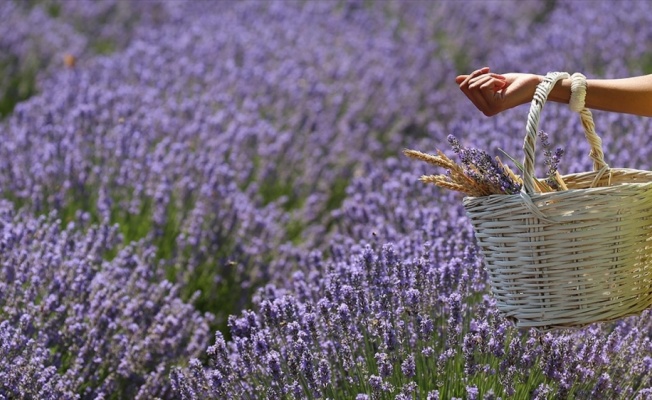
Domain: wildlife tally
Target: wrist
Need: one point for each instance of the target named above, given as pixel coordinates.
(532, 82)
(561, 92)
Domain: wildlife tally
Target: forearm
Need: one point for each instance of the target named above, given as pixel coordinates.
(627, 95)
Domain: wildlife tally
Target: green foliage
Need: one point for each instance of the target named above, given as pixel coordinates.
(103, 46)
(274, 189)
(646, 64)
(338, 193)
(16, 84)
(53, 9)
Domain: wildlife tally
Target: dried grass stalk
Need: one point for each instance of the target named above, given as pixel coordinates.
(457, 179)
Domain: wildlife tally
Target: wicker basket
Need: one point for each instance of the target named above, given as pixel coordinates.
(573, 257)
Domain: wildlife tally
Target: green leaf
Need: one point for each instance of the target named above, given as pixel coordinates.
(518, 164)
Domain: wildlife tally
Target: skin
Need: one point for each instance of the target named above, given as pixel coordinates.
(493, 93)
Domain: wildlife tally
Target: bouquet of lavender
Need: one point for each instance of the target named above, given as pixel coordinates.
(478, 174)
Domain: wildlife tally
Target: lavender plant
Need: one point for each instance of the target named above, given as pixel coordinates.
(483, 168)
(75, 325)
(376, 325)
(552, 161)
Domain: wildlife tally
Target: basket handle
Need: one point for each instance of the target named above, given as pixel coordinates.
(540, 96)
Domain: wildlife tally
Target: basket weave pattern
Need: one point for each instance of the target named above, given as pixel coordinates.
(572, 257)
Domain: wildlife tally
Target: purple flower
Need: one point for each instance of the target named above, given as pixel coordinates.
(489, 395)
(472, 393)
(376, 383)
(602, 387)
(324, 372)
(408, 367)
(433, 395)
(344, 314)
(274, 365)
(384, 364)
(552, 160)
(481, 167)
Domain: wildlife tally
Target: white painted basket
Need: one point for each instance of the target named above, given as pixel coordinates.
(573, 257)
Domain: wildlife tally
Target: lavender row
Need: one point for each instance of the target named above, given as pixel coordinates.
(218, 146)
(409, 321)
(75, 325)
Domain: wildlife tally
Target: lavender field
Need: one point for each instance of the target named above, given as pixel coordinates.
(209, 199)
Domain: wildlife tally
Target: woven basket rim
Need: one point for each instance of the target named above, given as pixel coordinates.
(615, 172)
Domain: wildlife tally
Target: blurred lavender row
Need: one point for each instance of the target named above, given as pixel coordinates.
(235, 168)
(39, 38)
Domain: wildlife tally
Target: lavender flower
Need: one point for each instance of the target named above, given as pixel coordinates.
(408, 367)
(433, 395)
(472, 392)
(481, 167)
(552, 160)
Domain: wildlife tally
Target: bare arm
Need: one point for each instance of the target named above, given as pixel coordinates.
(493, 93)
(627, 95)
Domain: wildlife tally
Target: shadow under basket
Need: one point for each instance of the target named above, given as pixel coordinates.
(569, 258)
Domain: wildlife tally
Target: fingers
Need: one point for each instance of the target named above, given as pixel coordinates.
(466, 78)
(461, 78)
(482, 75)
(483, 88)
(475, 95)
(487, 82)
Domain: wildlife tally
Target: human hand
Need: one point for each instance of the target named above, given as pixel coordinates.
(493, 93)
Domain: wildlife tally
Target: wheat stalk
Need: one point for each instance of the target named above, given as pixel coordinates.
(458, 180)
